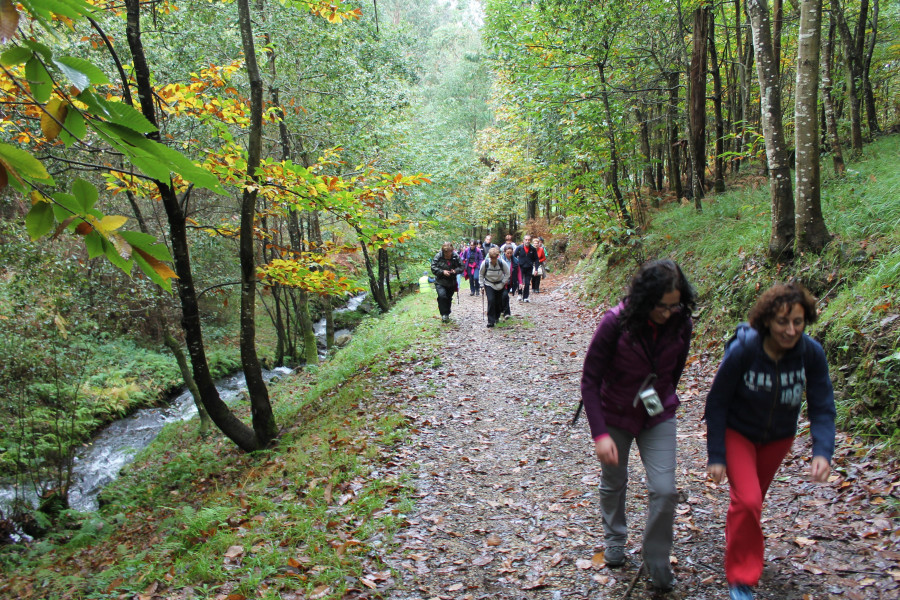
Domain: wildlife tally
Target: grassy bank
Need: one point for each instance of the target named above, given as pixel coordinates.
(856, 278)
(194, 512)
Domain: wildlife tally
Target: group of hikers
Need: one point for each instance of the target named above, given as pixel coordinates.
(628, 386)
(628, 389)
(500, 272)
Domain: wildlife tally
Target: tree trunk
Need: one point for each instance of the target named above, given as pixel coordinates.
(697, 112)
(613, 177)
(221, 415)
(310, 346)
(384, 273)
(719, 168)
(672, 131)
(782, 238)
(645, 149)
(868, 95)
(531, 206)
(260, 407)
(328, 309)
(778, 21)
(175, 348)
(811, 233)
(746, 67)
(377, 293)
(853, 58)
(837, 156)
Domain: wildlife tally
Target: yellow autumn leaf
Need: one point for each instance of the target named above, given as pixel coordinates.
(53, 117)
(161, 268)
(112, 222)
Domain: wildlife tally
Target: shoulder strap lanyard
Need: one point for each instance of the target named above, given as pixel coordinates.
(651, 356)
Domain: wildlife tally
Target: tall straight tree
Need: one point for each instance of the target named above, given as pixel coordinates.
(697, 111)
(811, 232)
(781, 240)
(719, 167)
(260, 406)
(837, 155)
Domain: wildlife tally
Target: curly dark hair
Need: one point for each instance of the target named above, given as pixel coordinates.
(774, 299)
(652, 281)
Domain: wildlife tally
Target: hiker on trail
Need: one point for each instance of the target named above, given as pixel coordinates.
(472, 258)
(631, 369)
(538, 272)
(486, 245)
(494, 276)
(445, 266)
(509, 243)
(513, 284)
(751, 418)
(527, 256)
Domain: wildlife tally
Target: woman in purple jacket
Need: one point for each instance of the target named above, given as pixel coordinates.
(631, 369)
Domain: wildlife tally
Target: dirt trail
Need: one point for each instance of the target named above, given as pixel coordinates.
(508, 502)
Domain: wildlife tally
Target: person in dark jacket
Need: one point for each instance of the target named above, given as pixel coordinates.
(631, 370)
(486, 245)
(512, 285)
(528, 257)
(445, 266)
(472, 259)
(751, 418)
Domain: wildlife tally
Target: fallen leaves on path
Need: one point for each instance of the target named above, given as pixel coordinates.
(507, 492)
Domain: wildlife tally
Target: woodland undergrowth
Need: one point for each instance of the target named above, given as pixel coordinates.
(305, 516)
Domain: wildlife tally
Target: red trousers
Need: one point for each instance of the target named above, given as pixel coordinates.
(750, 469)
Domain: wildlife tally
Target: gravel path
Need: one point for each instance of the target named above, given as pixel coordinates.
(508, 502)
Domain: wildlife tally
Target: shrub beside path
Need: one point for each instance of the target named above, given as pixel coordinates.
(507, 501)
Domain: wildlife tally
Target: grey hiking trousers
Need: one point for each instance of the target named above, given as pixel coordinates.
(657, 449)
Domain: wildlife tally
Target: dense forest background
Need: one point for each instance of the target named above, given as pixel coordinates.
(186, 188)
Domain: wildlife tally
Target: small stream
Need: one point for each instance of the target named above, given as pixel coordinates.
(98, 463)
(352, 304)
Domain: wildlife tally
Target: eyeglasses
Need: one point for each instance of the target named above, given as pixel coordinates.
(672, 308)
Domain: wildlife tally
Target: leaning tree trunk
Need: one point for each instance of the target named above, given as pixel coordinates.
(697, 110)
(175, 348)
(613, 177)
(260, 407)
(811, 233)
(837, 156)
(376, 290)
(221, 415)
(781, 240)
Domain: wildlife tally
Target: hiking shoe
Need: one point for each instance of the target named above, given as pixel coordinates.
(490, 324)
(445, 318)
(615, 556)
(740, 592)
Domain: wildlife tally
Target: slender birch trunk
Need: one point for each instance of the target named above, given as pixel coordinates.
(781, 240)
(811, 234)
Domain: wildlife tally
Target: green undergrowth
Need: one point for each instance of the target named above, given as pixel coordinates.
(856, 277)
(304, 516)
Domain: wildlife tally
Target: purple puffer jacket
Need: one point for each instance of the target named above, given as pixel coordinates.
(616, 365)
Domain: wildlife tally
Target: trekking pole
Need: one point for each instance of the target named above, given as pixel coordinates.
(577, 412)
(482, 305)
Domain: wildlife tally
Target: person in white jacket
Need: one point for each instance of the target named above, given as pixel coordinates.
(494, 274)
